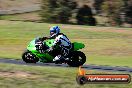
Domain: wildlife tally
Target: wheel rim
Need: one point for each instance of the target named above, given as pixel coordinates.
(29, 56)
(80, 59)
(77, 60)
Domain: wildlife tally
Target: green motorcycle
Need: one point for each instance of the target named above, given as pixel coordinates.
(32, 54)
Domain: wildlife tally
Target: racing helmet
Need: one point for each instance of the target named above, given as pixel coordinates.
(55, 30)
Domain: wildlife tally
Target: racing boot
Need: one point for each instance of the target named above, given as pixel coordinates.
(59, 59)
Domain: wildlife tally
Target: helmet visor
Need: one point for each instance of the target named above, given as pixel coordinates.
(51, 33)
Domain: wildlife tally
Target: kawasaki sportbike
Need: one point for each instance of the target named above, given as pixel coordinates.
(32, 54)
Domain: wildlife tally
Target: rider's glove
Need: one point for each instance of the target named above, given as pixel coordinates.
(40, 39)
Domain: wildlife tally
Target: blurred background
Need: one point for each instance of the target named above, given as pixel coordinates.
(82, 12)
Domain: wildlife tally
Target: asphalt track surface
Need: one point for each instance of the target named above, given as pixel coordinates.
(88, 67)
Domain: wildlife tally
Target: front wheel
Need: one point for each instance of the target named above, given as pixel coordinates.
(28, 57)
(77, 58)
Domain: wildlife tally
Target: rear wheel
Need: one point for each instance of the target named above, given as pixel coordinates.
(77, 58)
(28, 57)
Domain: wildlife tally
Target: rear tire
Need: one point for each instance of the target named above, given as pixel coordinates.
(28, 57)
(77, 58)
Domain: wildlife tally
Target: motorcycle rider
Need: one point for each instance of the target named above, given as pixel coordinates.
(61, 40)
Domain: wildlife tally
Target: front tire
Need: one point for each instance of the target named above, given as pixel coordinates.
(77, 58)
(28, 57)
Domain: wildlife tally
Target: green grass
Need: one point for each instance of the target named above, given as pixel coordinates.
(110, 60)
(46, 77)
(102, 48)
(104, 45)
